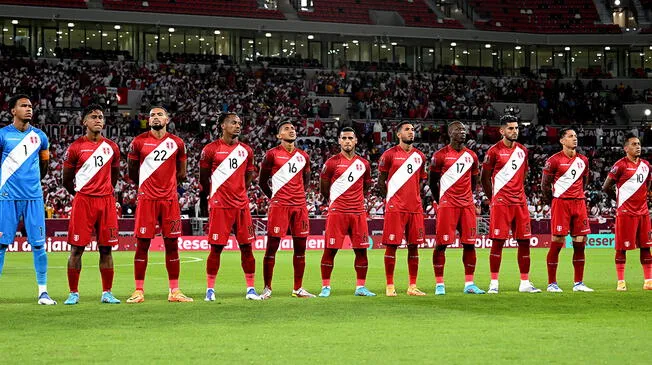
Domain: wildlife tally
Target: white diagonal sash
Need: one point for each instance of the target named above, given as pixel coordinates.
(225, 169)
(455, 172)
(93, 164)
(402, 174)
(631, 186)
(347, 179)
(567, 180)
(17, 157)
(156, 158)
(507, 173)
(287, 172)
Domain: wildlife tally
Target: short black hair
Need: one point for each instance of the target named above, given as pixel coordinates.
(91, 108)
(14, 100)
(562, 132)
(628, 137)
(508, 118)
(455, 122)
(223, 117)
(348, 129)
(282, 123)
(159, 107)
(402, 123)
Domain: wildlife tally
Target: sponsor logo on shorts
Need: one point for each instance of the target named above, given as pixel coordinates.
(277, 229)
(496, 231)
(143, 230)
(75, 238)
(215, 235)
(558, 228)
(627, 243)
(445, 237)
(391, 237)
(332, 241)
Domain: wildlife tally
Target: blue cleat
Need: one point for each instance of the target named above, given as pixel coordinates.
(108, 298)
(473, 289)
(325, 292)
(440, 289)
(363, 292)
(252, 295)
(73, 298)
(210, 295)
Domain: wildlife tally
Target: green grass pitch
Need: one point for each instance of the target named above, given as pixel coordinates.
(567, 328)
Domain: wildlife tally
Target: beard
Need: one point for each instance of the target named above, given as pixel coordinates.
(157, 127)
(407, 141)
(289, 140)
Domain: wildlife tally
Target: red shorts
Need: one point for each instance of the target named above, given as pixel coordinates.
(396, 224)
(510, 217)
(93, 213)
(339, 225)
(633, 231)
(280, 218)
(569, 215)
(165, 213)
(451, 219)
(221, 221)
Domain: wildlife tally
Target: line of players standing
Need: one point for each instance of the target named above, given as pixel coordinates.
(157, 160)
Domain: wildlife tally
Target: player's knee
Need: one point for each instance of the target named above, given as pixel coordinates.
(468, 247)
(440, 248)
(104, 250)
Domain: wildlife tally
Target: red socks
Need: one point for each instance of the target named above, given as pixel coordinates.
(523, 257)
(578, 261)
(172, 263)
(140, 262)
(299, 261)
(390, 263)
(438, 262)
(213, 265)
(621, 260)
(248, 262)
(552, 261)
(469, 259)
(646, 262)
(413, 263)
(73, 280)
(327, 262)
(270, 259)
(361, 263)
(495, 257)
(107, 279)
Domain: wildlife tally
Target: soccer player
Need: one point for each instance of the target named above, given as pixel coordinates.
(454, 175)
(157, 161)
(289, 170)
(402, 169)
(226, 169)
(631, 176)
(25, 158)
(345, 180)
(564, 176)
(503, 176)
(91, 168)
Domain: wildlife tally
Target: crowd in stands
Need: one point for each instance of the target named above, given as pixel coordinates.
(196, 95)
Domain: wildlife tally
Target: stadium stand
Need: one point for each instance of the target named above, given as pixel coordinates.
(226, 8)
(51, 3)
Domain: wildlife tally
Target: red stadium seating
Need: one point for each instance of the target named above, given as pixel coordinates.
(541, 16)
(228, 8)
(53, 3)
(415, 14)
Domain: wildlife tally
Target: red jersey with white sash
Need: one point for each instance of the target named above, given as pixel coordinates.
(287, 169)
(92, 162)
(229, 165)
(457, 168)
(405, 171)
(347, 178)
(509, 166)
(631, 186)
(158, 164)
(567, 175)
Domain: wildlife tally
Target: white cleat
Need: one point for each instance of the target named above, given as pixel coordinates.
(579, 286)
(528, 288)
(252, 295)
(267, 293)
(44, 299)
(493, 289)
(554, 288)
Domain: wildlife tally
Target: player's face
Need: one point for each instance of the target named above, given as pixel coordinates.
(348, 141)
(94, 121)
(510, 131)
(23, 110)
(569, 140)
(633, 147)
(457, 133)
(287, 133)
(232, 126)
(158, 119)
(406, 134)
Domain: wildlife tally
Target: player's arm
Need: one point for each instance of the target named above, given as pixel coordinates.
(608, 188)
(325, 182)
(434, 177)
(134, 169)
(266, 174)
(249, 178)
(205, 179)
(382, 183)
(115, 166)
(546, 187)
(306, 175)
(486, 182)
(44, 162)
(68, 179)
(181, 163)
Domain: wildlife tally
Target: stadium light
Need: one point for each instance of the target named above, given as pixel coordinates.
(268, 35)
(518, 48)
(647, 112)
(355, 41)
(487, 46)
(5, 29)
(171, 30)
(617, 2)
(71, 25)
(217, 32)
(607, 48)
(310, 36)
(117, 27)
(453, 44)
(566, 48)
(105, 34)
(14, 22)
(394, 43)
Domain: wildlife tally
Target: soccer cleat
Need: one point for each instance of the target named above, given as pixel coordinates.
(473, 289)
(528, 288)
(252, 295)
(390, 291)
(210, 295)
(493, 289)
(554, 288)
(302, 293)
(579, 286)
(138, 296)
(73, 298)
(108, 298)
(267, 293)
(440, 289)
(177, 296)
(44, 299)
(622, 285)
(414, 291)
(647, 285)
(325, 292)
(363, 292)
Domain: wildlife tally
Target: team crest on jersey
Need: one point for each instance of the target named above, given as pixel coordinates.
(105, 150)
(143, 230)
(580, 165)
(33, 139)
(520, 154)
(359, 167)
(169, 144)
(468, 159)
